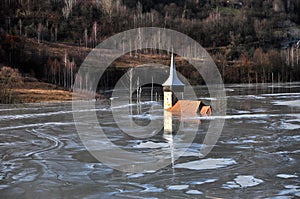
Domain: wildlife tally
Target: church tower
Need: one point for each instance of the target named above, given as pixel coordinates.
(173, 87)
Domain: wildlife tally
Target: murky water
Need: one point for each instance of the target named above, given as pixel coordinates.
(257, 155)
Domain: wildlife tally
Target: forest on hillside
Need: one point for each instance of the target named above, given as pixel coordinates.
(251, 41)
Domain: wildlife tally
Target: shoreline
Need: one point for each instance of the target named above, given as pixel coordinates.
(35, 92)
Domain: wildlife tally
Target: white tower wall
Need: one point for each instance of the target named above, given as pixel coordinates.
(168, 102)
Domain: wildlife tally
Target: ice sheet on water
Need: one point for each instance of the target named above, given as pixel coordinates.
(243, 116)
(194, 192)
(296, 116)
(247, 85)
(293, 191)
(231, 185)
(211, 180)
(246, 116)
(243, 181)
(280, 94)
(127, 105)
(138, 175)
(146, 116)
(141, 116)
(229, 90)
(293, 103)
(210, 163)
(291, 186)
(246, 97)
(208, 98)
(286, 176)
(280, 197)
(152, 189)
(243, 112)
(243, 147)
(293, 138)
(241, 141)
(289, 126)
(259, 110)
(190, 153)
(2, 176)
(152, 145)
(3, 186)
(247, 181)
(177, 187)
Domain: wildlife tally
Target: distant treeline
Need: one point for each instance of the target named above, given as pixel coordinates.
(246, 38)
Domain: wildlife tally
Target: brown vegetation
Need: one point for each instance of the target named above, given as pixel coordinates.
(50, 39)
(9, 79)
(16, 89)
(32, 92)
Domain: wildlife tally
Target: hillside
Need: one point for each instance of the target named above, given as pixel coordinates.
(250, 41)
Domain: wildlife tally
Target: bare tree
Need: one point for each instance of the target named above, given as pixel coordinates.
(66, 63)
(107, 6)
(39, 31)
(86, 37)
(72, 69)
(20, 26)
(57, 71)
(55, 33)
(69, 4)
(95, 26)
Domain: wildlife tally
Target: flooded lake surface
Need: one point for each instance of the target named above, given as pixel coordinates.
(256, 156)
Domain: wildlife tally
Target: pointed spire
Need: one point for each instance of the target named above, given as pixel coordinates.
(173, 79)
(172, 65)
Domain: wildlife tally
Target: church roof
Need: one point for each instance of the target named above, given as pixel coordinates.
(173, 79)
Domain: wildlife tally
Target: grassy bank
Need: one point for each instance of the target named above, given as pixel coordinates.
(36, 91)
